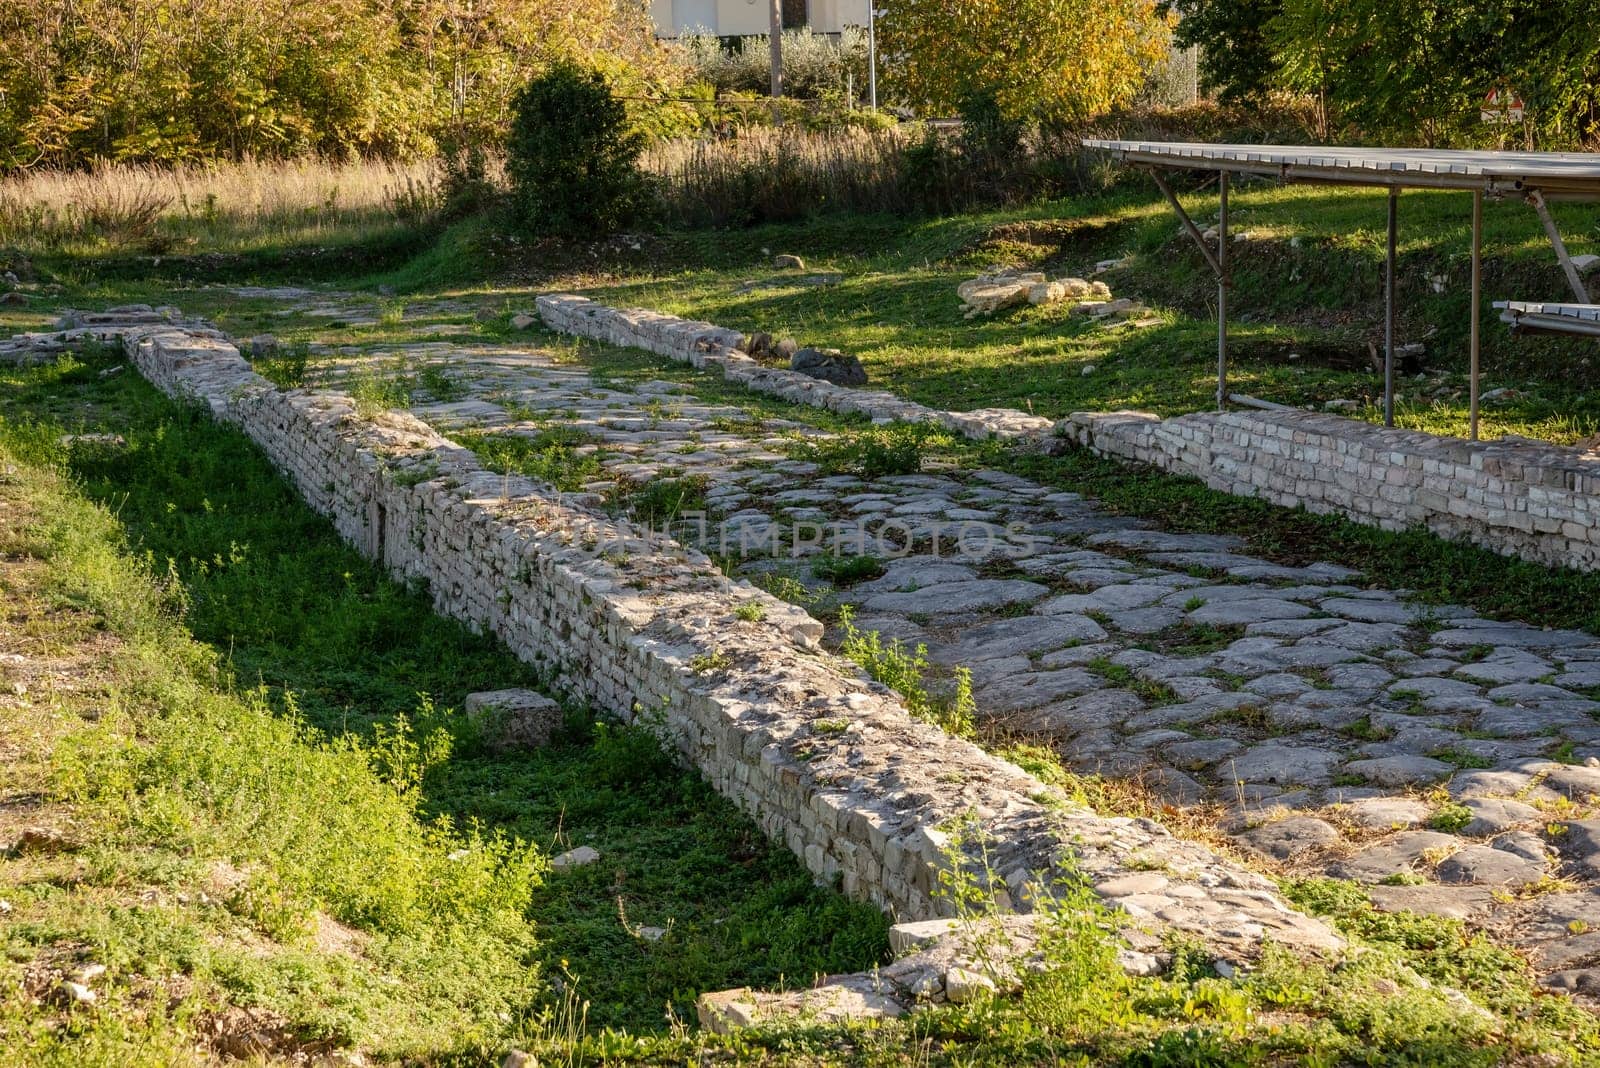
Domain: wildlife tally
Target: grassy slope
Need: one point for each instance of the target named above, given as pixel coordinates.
(1319, 298)
(291, 610)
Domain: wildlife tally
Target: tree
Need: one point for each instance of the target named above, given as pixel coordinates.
(1236, 57)
(1038, 60)
(572, 155)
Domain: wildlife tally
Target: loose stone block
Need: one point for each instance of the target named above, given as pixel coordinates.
(516, 719)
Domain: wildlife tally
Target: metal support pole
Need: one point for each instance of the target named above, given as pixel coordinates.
(1188, 223)
(872, 52)
(1477, 300)
(776, 27)
(1574, 279)
(1222, 295)
(1388, 312)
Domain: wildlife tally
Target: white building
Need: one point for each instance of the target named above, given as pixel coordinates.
(742, 18)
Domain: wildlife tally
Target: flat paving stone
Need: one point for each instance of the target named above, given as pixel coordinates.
(948, 597)
(1400, 770)
(1484, 866)
(1449, 902)
(1239, 613)
(1579, 845)
(1491, 815)
(1403, 854)
(1023, 635)
(1288, 838)
(1281, 764)
(1387, 813)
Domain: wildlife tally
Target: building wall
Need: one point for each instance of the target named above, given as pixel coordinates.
(743, 18)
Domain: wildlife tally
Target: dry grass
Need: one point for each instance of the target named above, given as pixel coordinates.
(768, 175)
(219, 206)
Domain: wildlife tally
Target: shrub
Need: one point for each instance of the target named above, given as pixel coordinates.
(572, 156)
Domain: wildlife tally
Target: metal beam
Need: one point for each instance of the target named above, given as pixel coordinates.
(1222, 294)
(1574, 279)
(1188, 223)
(1477, 304)
(1388, 311)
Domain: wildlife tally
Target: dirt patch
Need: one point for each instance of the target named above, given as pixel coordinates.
(1042, 243)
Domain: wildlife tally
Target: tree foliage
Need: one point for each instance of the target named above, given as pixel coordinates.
(1038, 60)
(573, 156)
(1409, 70)
(178, 80)
(1236, 57)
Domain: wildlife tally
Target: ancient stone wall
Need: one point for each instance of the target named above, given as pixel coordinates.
(707, 346)
(822, 759)
(1515, 496)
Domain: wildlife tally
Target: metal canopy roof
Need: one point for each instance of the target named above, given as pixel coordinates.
(1564, 174)
(1545, 318)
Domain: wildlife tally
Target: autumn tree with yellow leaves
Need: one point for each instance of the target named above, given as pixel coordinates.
(179, 80)
(1037, 60)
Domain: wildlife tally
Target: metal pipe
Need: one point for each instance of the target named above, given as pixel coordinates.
(776, 34)
(1574, 279)
(1388, 312)
(1222, 295)
(872, 52)
(1256, 402)
(1188, 223)
(1477, 300)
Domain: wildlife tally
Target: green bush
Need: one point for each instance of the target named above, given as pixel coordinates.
(572, 155)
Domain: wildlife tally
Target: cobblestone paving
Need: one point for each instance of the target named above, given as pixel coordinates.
(1449, 762)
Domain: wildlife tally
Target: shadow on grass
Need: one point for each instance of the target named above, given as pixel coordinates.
(290, 607)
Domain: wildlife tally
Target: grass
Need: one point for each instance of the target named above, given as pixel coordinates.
(218, 207)
(1307, 300)
(319, 637)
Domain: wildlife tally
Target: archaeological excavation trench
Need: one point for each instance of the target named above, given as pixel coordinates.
(1436, 757)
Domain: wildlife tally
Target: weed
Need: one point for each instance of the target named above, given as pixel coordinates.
(751, 611)
(846, 571)
(902, 671)
(896, 449)
(562, 457)
(439, 385)
(287, 368)
(661, 500)
(1451, 818)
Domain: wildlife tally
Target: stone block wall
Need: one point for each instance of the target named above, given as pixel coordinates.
(717, 348)
(1513, 496)
(824, 760)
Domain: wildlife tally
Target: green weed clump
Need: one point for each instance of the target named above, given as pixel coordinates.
(663, 499)
(561, 456)
(952, 710)
(896, 449)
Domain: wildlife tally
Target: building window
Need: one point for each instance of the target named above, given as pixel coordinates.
(795, 14)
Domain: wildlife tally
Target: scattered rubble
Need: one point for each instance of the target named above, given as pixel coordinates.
(830, 365)
(990, 293)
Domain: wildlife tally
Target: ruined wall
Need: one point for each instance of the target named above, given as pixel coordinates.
(1514, 496)
(824, 760)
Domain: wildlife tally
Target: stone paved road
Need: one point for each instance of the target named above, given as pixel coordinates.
(1449, 762)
